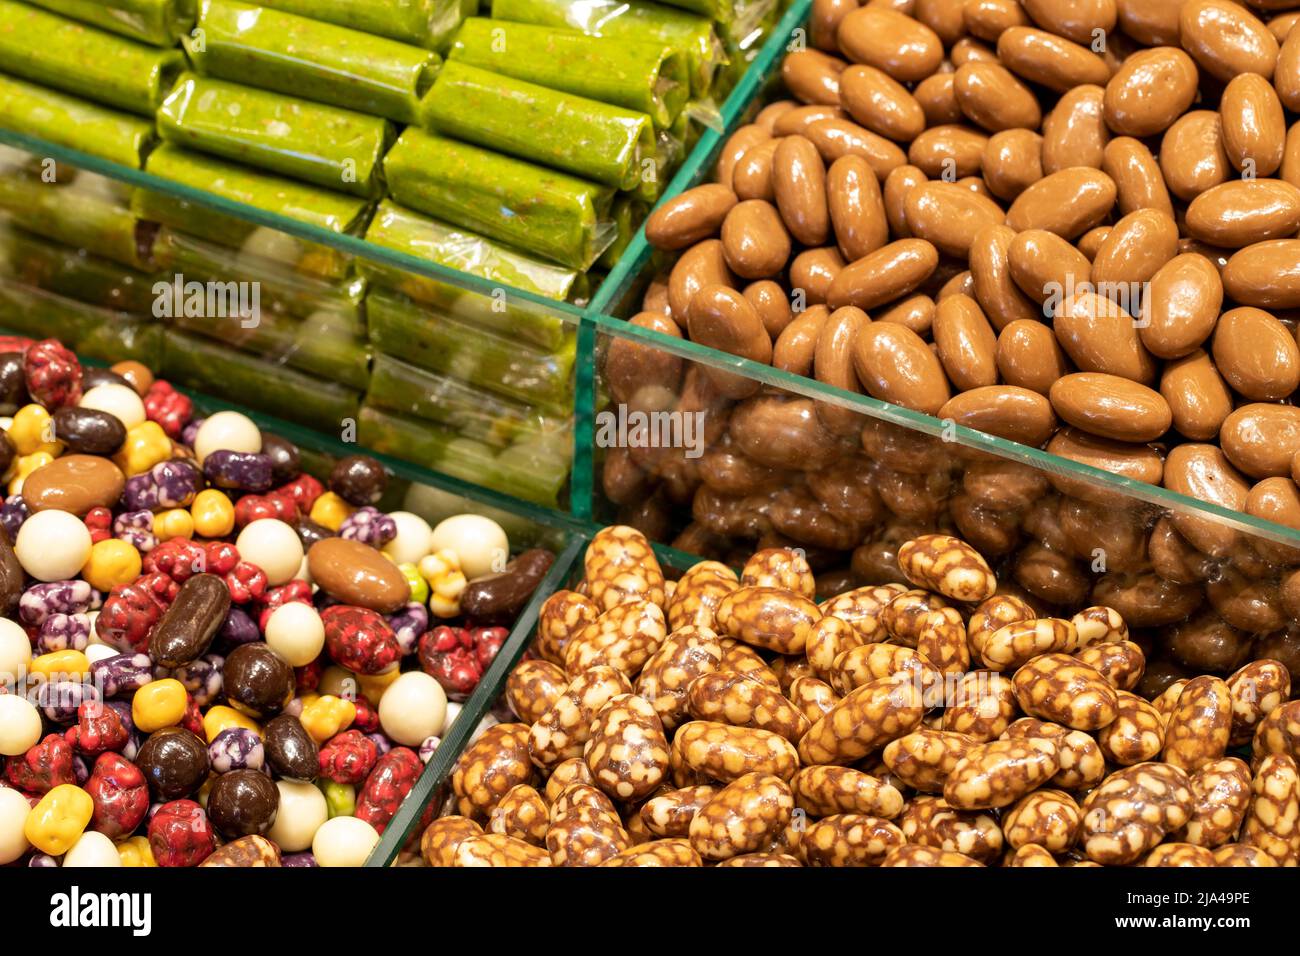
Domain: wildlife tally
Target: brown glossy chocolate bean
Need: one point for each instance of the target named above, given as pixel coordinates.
(857, 207)
(1074, 133)
(1111, 407)
(898, 185)
(1256, 354)
(1242, 212)
(836, 138)
(358, 480)
(1029, 356)
(355, 573)
(995, 288)
(701, 265)
(12, 576)
(1068, 203)
(966, 343)
(895, 365)
(937, 95)
(1130, 107)
(189, 625)
(772, 305)
(1192, 155)
(797, 344)
(75, 484)
(813, 271)
(290, 751)
(1181, 306)
(904, 48)
(1286, 79)
(833, 364)
(1100, 336)
(1203, 472)
(752, 176)
(1139, 184)
(1198, 398)
(633, 368)
(797, 121)
(1050, 60)
(799, 180)
(1010, 412)
(1226, 39)
(257, 680)
(812, 76)
(243, 803)
(993, 98)
(949, 216)
(987, 19)
(686, 219)
(881, 103)
(722, 318)
(1134, 250)
(949, 152)
(1139, 462)
(1080, 21)
(754, 240)
(884, 275)
(735, 147)
(1265, 274)
(824, 22)
(1043, 266)
(1261, 438)
(1012, 162)
(1152, 22)
(1254, 126)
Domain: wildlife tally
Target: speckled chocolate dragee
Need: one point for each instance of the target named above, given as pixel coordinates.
(736, 746)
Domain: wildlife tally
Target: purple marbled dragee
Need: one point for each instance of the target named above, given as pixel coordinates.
(54, 597)
(246, 471)
(122, 673)
(408, 624)
(136, 529)
(63, 632)
(12, 514)
(236, 748)
(370, 526)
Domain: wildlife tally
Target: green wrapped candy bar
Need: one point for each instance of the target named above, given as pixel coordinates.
(302, 57)
(412, 234)
(90, 213)
(325, 344)
(687, 33)
(68, 121)
(643, 76)
(534, 471)
(320, 144)
(585, 137)
(401, 387)
(53, 51)
(282, 197)
(191, 361)
(507, 367)
(282, 290)
(426, 23)
(35, 261)
(548, 213)
(156, 22)
(89, 330)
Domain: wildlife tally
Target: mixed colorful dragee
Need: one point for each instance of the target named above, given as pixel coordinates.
(202, 647)
(731, 720)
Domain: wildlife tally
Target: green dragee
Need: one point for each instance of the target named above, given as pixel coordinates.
(75, 123)
(320, 144)
(640, 75)
(70, 56)
(156, 22)
(319, 61)
(585, 137)
(546, 213)
(687, 33)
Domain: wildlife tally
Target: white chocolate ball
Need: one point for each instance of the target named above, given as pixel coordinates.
(344, 841)
(302, 811)
(20, 725)
(13, 815)
(296, 633)
(92, 849)
(227, 431)
(53, 545)
(413, 540)
(274, 547)
(15, 651)
(100, 652)
(120, 401)
(480, 543)
(414, 707)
